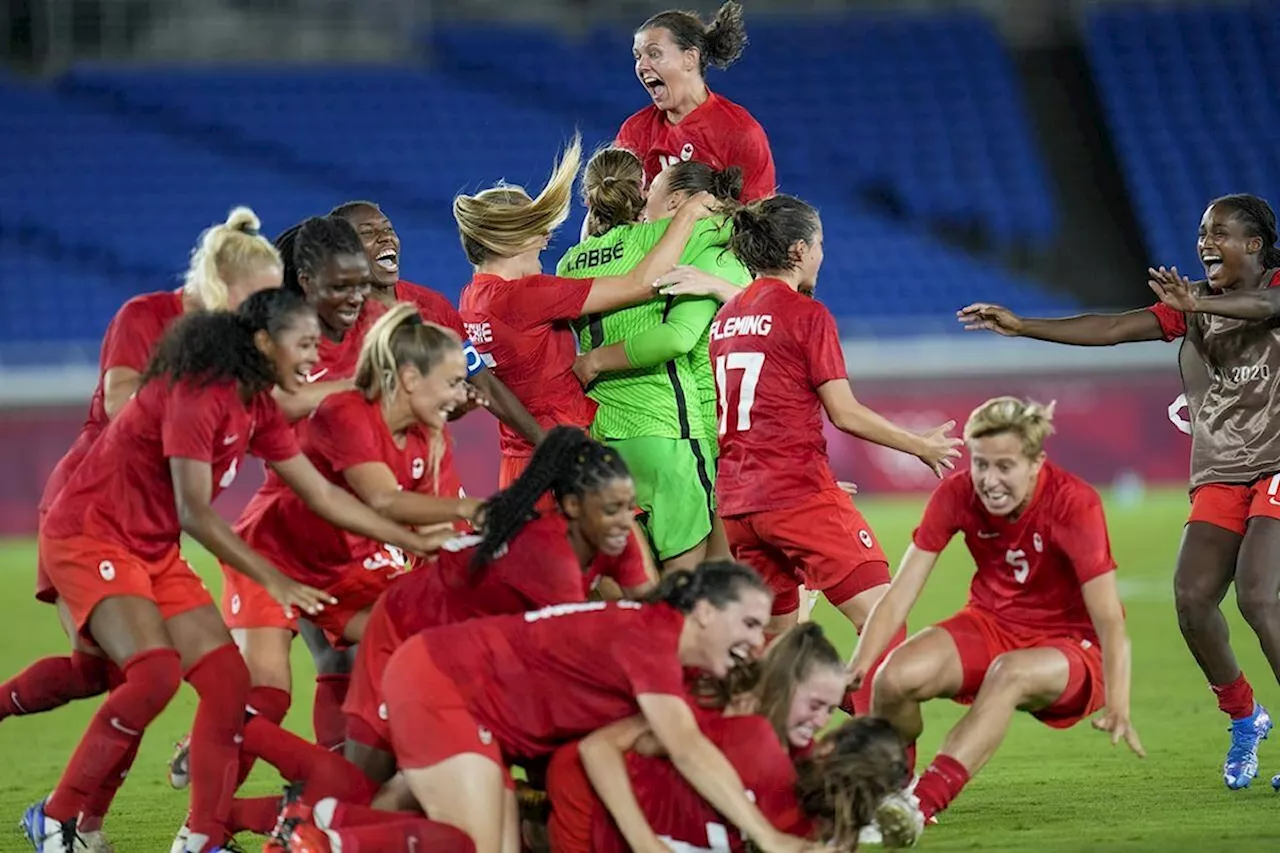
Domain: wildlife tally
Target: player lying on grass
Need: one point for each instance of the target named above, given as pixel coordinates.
(465, 699)
(1043, 630)
(616, 790)
(1230, 365)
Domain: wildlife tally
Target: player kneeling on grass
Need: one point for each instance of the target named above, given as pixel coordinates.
(1043, 630)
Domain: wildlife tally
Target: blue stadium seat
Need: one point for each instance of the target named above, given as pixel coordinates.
(123, 168)
(1190, 97)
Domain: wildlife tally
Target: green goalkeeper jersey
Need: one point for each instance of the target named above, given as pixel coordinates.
(675, 398)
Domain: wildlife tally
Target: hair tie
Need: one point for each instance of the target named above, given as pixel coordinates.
(248, 228)
(414, 319)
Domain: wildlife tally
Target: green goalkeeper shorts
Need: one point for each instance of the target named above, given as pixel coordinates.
(675, 489)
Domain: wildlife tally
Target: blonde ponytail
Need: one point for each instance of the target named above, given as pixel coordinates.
(503, 221)
(399, 338)
(225, 252)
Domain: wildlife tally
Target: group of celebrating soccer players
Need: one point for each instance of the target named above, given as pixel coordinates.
(622, 620)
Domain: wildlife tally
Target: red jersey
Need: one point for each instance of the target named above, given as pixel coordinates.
(1030, 569)
(771, 349)
(432, 306)
(521, 328)
(130, 339)
(123, 491)
(555, 675)
(536, 569)
(346, 430)
(719, 133)
(680, 816)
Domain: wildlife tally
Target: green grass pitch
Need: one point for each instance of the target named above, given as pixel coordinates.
(1045, 790)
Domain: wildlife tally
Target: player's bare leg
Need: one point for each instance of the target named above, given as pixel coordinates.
(687, 561)
(1258, 585)
(466, 791)
(333, 675)
(1207, 564)
(925, 667)
(378, 764)
(1028, 680)
(718, 541)
(857, 610)
(781, 622)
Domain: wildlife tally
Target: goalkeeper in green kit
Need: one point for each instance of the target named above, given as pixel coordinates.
(647, 366)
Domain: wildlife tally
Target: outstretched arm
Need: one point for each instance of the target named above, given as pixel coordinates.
(1180, 293)
(1083, 330)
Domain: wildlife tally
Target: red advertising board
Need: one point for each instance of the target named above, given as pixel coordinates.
(1108, 426)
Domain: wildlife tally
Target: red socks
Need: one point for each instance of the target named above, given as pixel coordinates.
(857, 703)
(326, 714)
(398, 833)
(94, 811)
(323, 773)
(271, 704)
(53, 682)
(222, 680)
(151, 679)
(253, 814)
(1235, 699)
(940, 784)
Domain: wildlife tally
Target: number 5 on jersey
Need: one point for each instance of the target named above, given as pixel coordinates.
(750, 363)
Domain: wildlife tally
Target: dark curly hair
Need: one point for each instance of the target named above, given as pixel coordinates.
(218, 346)
(566, 462)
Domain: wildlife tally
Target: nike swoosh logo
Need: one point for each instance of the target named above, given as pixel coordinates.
(315, 377)
(121, 727)
(229, 440)
(982, 534)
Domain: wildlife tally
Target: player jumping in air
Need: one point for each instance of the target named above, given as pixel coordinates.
(1230, 363)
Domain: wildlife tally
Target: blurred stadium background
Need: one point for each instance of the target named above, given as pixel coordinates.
(1037, 153)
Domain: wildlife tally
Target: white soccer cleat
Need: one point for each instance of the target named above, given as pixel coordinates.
(180, 764)
(96, 842)
(47, 835)
(870, 835)
(900, 821)
(180, 842)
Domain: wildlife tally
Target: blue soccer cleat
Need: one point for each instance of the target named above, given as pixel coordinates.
(46, 835)
(1275, 783)
(1241, 766)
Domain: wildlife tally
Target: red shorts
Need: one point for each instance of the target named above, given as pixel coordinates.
(1230, 507)
(366, 713)
(980, 639)
(247, 604)
(510, 470)
(573, 802)
(429, 719)
(84, 571)
(824, 544)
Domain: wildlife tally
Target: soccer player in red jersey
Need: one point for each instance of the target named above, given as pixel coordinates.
(111, 543)
(230, 262)
(687, 121)
(1043, 630)
(464, 699)
(382, 245)
(519, 318)
(1230, 365)
(778, 366)
(765, 714)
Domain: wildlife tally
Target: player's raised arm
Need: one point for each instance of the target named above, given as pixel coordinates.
(1181, 294)
(1082, 330)
(935, 448)
(890, 613)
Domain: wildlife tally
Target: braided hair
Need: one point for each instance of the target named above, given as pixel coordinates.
(307, 246)
(1261, 219)
(217, 346)
(567, 462)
